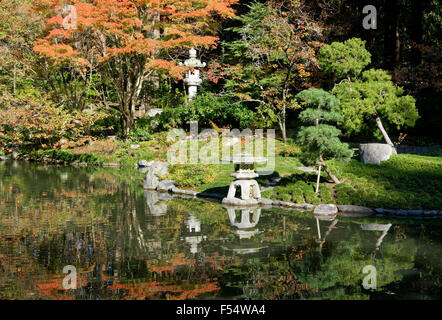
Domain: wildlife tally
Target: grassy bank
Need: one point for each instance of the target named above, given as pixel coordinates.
(403, 182)
(107, 152)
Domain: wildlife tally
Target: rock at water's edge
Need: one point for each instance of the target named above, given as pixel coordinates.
(326, 209)
(151, 181)
(166, 185)
(355, 211)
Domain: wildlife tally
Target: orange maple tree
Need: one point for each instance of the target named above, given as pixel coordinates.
(129, 40)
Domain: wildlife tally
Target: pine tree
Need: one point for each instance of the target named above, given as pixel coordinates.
(320, 140)
(369, 100)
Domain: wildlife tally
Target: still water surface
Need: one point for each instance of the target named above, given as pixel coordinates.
(127, 243)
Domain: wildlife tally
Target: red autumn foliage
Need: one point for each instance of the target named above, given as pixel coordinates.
(131, 39)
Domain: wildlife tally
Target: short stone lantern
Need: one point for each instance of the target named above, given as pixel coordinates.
(193, 79)
(244, 175)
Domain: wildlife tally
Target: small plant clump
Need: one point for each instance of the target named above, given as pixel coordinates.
(191, 175)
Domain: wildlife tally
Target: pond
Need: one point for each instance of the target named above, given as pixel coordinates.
(127, 243)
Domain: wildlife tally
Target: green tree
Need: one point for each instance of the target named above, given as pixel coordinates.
(276, 56)
(320, 140)
(344, 59)
(366, 97)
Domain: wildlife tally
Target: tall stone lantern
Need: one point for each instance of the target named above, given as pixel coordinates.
(193, 79)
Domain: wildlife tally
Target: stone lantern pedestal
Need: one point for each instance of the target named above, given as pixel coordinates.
(244, 175)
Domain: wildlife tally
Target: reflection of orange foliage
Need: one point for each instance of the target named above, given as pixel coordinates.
(49, 288)
(147, 290)
(180, 259)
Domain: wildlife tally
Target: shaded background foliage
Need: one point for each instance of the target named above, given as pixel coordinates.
(406, 44)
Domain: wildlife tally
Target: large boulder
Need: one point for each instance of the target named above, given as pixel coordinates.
(375, 153)
(326, 209)
(166, 185)
(156, 169)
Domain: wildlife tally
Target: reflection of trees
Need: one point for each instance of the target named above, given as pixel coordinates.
(102, 224)
(306, 272)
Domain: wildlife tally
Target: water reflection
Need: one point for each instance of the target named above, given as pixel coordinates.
(245, 227)
(193, 237)
(127, 243)
(244, 221)
(321, 240)
(156, 208)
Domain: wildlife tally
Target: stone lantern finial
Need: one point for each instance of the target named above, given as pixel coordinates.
(192, 53)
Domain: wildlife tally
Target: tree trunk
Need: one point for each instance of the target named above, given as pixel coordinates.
(391, 35)
(318, 178)
(384, 133)
(319, 165)
(15, 79)
(128, 122)
(281, 121)
(284, 133)
(330, 174)
(128, 114)
(416, 30)
(128, 101)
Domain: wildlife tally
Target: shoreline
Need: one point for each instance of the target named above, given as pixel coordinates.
(263, 202)
(307, 207)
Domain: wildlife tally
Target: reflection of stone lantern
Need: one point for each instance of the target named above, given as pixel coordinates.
(245, 229)
(246, 225)
(193, 226)
(244, 175)
(193, 79)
